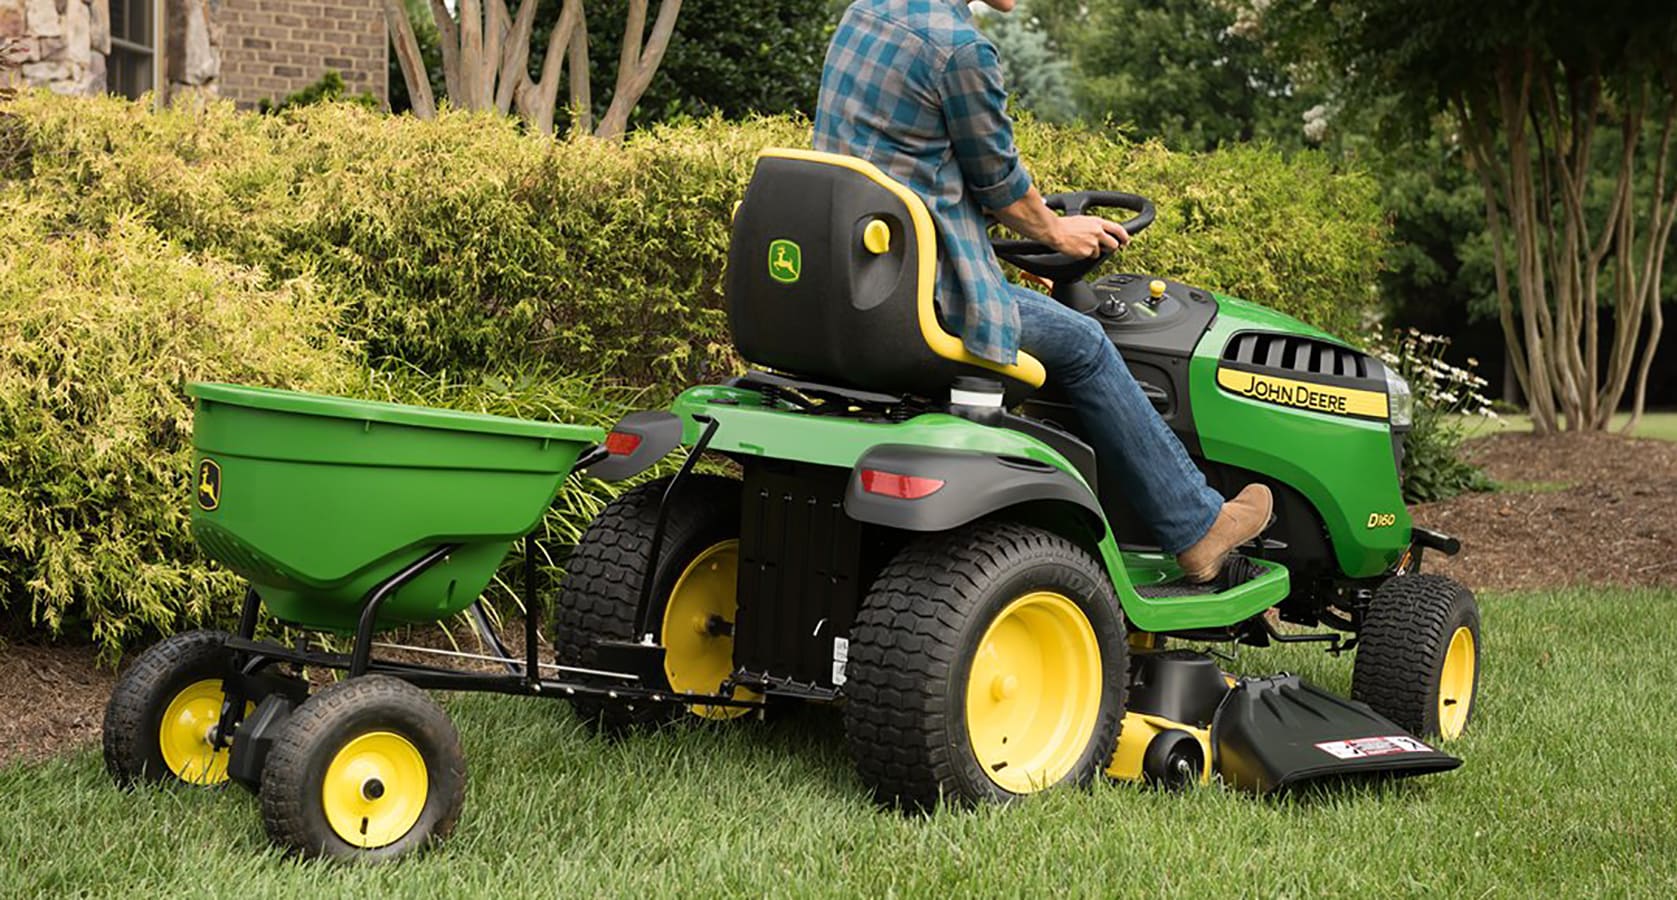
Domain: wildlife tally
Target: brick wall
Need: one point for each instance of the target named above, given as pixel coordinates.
(270, 48)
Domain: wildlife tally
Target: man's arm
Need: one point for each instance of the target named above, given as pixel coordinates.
(975, 112)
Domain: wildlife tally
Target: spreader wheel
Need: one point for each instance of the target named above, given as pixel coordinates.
(369, 768)
(693, 597)
(162, 717)
(1418, 655)
(985, 664)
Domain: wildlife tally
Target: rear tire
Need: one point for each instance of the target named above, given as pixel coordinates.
(370, 768)
(158, 719)
(1418, 655)
(967, 640)
(603, 584)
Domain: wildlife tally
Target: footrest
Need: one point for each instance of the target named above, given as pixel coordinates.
(1237, 570)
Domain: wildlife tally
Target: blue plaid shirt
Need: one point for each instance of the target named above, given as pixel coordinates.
(912, 86)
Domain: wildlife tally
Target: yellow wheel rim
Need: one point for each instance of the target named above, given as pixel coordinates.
(184, 734)
(698, 628)
(375, 789)
(1455, 684)
(1034, 693)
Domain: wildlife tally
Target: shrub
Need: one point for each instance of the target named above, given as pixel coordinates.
(462, 241)
(1433, 466)
(99, 331)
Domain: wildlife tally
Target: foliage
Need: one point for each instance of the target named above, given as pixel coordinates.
(329, 89)
(587, 256)
(1433, 466)
(1189, 72)
(100, 328)
(1558, 106)
(729, 57)
(1037, 76)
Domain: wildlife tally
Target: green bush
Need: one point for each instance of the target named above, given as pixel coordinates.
(457, 262)
(99, 331)
(463, 241)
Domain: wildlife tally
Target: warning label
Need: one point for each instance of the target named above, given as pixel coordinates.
(1361, 748)
(841, 655)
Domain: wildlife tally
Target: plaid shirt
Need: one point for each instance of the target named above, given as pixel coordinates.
(912, 86)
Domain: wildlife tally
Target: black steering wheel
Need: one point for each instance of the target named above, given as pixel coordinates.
(1040, 259)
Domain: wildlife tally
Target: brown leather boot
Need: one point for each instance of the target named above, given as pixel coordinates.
(1242, 519)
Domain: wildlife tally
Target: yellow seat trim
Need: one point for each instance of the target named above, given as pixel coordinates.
(1028, 369)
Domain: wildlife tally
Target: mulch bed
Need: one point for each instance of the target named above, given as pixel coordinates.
(1575, 509)
(1586, 509)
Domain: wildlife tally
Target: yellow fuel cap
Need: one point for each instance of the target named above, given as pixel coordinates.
(1156, 288)
(877, 237)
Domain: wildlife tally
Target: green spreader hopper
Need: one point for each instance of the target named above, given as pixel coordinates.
(318, 500)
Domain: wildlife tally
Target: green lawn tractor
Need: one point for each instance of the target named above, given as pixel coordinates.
(912, 534)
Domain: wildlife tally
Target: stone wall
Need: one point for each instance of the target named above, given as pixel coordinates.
(274, 47)
(245, 50)
(58, 44)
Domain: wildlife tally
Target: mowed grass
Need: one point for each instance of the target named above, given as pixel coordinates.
(1661, 426)
(1569, 789)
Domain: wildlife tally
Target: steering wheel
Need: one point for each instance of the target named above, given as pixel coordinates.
(1040, 259)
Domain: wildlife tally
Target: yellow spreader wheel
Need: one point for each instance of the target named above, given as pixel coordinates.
(369, 768)
(185, 735)
(698, 628)
(1034, 693)
(375, 789)
(1455, 684)
(161, 720)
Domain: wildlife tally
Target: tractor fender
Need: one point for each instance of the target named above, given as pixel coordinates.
(635, 444)
(974, 484)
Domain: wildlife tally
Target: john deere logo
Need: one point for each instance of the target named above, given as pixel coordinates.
(786, 261)
(209, 485)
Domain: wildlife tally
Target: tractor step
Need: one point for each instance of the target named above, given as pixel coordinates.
(1237, 570)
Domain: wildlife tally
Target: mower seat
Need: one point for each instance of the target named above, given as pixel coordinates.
(831, 277)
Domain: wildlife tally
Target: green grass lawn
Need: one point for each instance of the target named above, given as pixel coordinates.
(1570, 788)
(1657, 425)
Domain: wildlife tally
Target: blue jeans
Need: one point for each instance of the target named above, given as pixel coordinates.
(1163, 484)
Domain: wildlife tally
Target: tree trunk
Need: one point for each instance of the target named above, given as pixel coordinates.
(406, 45)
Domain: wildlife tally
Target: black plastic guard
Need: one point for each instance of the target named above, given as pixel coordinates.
(1272, 734)
(658, 432)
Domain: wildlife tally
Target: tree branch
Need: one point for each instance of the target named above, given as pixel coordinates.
(412, 62)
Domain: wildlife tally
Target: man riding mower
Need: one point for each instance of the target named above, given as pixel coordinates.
(921, 539)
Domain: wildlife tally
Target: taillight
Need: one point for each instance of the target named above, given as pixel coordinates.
(622, 443)
(903, 487)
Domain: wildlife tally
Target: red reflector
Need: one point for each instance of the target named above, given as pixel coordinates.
(622, 443)
(904, 487)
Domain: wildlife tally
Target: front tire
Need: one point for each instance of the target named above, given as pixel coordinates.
(370, 768)
(1418, 655)
(985, 664)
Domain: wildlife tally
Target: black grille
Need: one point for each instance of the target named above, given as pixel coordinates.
(1291, 353)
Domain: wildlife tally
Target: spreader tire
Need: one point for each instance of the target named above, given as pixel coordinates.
(985, 664)
(370, 768)
(603, 583)
(1418, 655)
(158, 719)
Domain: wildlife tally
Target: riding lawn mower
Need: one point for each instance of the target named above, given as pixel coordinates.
(913, 534)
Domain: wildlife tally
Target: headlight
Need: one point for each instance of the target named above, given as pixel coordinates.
(1400, 400)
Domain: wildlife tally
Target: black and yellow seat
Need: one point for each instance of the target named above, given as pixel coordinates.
(832, 276)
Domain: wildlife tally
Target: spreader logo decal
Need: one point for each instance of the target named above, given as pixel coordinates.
(1362, 748)
(209, 485)
(1323, 398)
(786, 261)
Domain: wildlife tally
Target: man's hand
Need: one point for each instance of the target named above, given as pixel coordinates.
(1087, 237)
(1084, 237)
